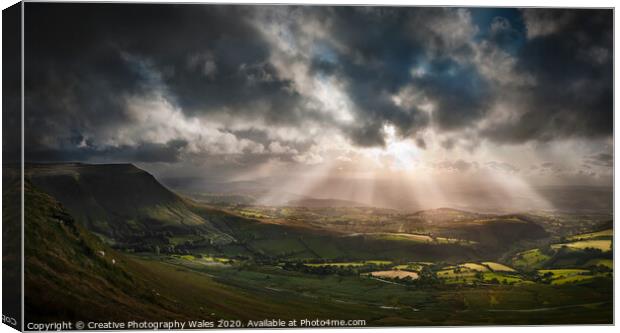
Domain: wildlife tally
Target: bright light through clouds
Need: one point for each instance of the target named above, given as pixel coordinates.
(397, 155)
(399, 107)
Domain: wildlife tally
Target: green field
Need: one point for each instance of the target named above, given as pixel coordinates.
(511, 300)
(497, 267)
(608, 263)
(604, 234)
(351, 264)
(566, 276)
(430, 268)
(603, 245)
(475, 267)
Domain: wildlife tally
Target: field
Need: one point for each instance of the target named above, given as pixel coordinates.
(604, 234)
(435, 267)
(607, 263)
(603, 245)
(565, 276)
(351, 264)
(509, 300)
(395, 274)
(475, 267)
(530, 259)
(496, 267)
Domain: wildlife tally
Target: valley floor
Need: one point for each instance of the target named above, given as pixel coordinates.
(298, 295)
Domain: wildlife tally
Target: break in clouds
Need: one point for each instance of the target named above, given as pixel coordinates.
(252, 92)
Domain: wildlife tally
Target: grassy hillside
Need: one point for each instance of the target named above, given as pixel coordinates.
(11, 245)
(129, 209)
(61, 255)
(592, 250)
(487, 231)
(119, 201)
(259, 239)
(71, 274)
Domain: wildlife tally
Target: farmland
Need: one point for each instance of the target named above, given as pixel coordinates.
(434, 267)
(488, 296)
(395, 274)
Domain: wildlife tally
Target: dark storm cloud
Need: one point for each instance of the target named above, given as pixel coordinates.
(462, 95)
(570, 64)
(570, 57)
(83, 61)
(371, 67)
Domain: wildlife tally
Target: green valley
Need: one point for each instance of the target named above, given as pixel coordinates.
(146, 252)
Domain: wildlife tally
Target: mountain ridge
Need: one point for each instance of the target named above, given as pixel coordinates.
(117, 201)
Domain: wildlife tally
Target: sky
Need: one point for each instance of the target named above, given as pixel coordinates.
(324, 101)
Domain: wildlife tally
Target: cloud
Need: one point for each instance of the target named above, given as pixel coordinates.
(540, 23)
(171, 83)
(600, 159)
(573, 95)
(502, 166)
(169, 152)
(458, 165)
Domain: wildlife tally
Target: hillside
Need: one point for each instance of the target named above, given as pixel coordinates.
(63, 256)
(285, 271)
(129, 209)
(119, 201)
(490, 231)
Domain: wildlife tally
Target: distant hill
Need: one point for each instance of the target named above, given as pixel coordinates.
(582, 199)
(129, 209)
(118, 201)
(489, 229)
(319, 203)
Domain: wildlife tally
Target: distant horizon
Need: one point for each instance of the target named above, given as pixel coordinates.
(468, 198)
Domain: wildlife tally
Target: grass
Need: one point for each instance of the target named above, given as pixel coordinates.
(457, 278)
(497, 267)
(351, 264)
(609, 263)
(603, 245)
(390, 304)
(66, 279)
(278, 246)
(475, 267)
(563, 272)
(564, 276)
(395, 274)
(501, 278)
(470, 272)
(604, 234)
(419, 238)
(412, 266)
(404, 237)
(572, 279)
(530, 259)
(193, 258)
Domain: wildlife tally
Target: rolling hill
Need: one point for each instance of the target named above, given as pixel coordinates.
(71, 274)
(74, 274)
(129, 209)
(119, 201)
